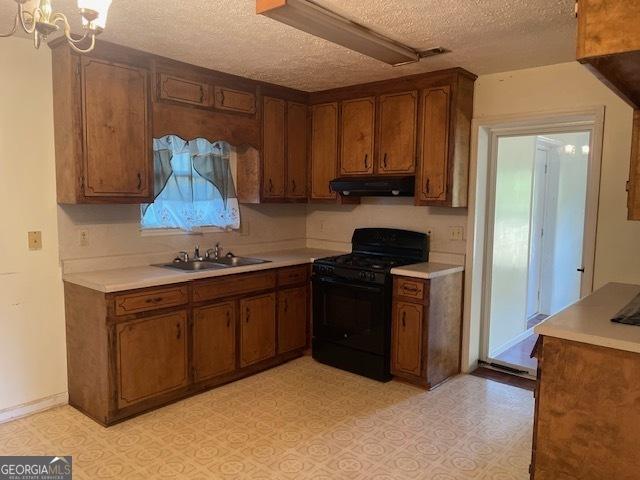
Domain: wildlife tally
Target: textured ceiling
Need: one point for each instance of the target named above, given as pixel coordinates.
(484, 36)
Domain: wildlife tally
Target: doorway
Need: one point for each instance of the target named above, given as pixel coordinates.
(537, 236)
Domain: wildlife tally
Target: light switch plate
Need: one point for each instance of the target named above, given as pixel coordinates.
(35, 240)
(456, 233)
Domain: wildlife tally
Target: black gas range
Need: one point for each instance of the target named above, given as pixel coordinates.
(352, 299)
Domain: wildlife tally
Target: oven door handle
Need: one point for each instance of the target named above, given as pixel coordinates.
(358, 286)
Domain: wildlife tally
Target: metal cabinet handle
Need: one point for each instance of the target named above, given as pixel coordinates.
(154, 300)
(581, 269)
(366, 162)
(410, 289)
(178, 331)
(384, 160)
(293, 185)
(270, 185)
(139, 181)
(404, 319)
(427, 186)
(248, 315)
(228, 318)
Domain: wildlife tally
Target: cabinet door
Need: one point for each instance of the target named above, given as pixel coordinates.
(634, 176)
(257, 329)
(214, 340)
(397, 133)
(235, 100)
(324, 149)
(151, 357)
(434, 144)
(292, 319)
(356, 129)
(117, 139)
(296, 151)
(184, 90)
(273, 147)
(406, 349)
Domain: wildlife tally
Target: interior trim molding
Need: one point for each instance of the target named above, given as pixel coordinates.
(29, 408)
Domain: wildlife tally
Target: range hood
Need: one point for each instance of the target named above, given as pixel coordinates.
(374, 186)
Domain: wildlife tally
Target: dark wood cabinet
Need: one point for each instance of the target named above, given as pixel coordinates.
(296, 171)
(398, 115)
(214, 340)
(152, 357)
(184, 90)
(293, 318)
(257, 329)
(234, 100)
(273, 148)
(357, 119)
(426, 329)
(324, 150)
(634, 171)
(102, 119)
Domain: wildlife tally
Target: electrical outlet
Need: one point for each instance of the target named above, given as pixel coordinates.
(35, 240)
(456, 233)
(84, 238)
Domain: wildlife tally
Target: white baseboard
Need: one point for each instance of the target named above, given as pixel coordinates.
(19, 411)
(506, 346)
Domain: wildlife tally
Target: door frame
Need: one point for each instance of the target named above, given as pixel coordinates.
(484, 155)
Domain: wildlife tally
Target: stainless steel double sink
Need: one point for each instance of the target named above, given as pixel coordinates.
(213, 264)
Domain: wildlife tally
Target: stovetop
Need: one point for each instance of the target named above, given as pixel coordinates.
(366, 262)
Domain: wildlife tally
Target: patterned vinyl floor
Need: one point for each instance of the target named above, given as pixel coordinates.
(299, 421)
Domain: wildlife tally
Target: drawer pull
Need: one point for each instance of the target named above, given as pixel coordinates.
(410, 289)
(248, 314)
(384, 160)
(228, 319)
(404, 319)
(154, 300)
(178, 331)
(366, 162)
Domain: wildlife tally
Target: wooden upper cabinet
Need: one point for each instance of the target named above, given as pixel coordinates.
(257, 329)
(324, 149)
(407, 338)
(434, 143)
(398, 114)
(292, 319)
(117, 144)
(152, 357)
(184, 90)
(296, 187)
(235, 100)
(357, 119)
(607, 27)
(214, 340)
(634, 173)
(273, 148)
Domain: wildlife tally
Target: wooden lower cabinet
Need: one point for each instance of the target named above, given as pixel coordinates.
(407, 338)
(293, 318)
(257, 329)
(426, 329)
(152, 357)
(214, 340)
(176, 340)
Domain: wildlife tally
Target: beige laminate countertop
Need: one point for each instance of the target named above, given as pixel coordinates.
(426, 270)
(589, 320)
(120, 279)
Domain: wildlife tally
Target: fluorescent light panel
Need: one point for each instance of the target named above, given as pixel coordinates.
(316, 20)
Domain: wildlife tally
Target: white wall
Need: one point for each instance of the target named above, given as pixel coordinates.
(564, 87)
(331, 226)
(32, 339)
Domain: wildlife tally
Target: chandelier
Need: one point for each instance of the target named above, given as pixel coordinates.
(43, 21)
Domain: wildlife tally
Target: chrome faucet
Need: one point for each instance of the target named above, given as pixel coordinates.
(214, 253)
(196, 253)
(182, 257)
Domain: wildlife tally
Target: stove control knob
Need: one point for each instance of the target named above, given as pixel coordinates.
(363, 275)
(372, 276)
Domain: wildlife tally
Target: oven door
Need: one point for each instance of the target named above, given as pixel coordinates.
(353, 315)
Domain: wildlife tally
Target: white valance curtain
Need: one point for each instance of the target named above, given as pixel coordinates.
(193, 186)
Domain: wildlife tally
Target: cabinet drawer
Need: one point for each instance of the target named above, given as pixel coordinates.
(183, 90)
(409, 288)
(151, 300)
(235, 100)
(293, 275)
(234, 285)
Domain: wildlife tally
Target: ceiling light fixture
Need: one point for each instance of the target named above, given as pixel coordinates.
(42, 21)
(310, 17)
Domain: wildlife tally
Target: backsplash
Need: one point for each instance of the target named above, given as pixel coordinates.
(114, 240)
